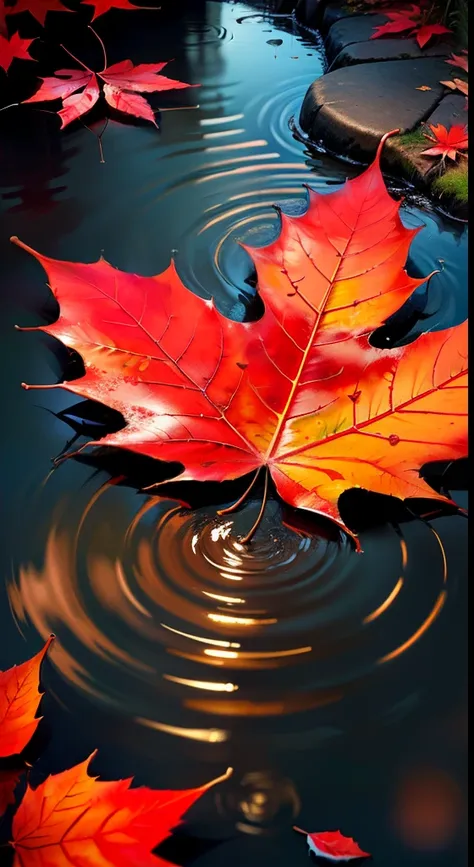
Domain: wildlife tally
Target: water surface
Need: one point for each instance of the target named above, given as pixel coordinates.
(333, 682)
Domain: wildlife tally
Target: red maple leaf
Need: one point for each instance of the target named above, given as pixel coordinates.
(15, 46)
(37, 8)
(448, 142)
(333, 845)
(301, 391)
(412, 22)
(19, 701)
(120, 82)
(72, 818)
(103, 6)
(459, 60)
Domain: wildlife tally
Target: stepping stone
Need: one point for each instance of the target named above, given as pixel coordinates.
(347, 30)
(450, 111)
(387, 49)
(348, 42)
(334, 12)
(348, 110)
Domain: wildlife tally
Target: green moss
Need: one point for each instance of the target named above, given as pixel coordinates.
(453, 183)
(413, 139)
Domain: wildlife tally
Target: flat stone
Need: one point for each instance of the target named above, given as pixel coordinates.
(348, 110)
(450, 111)
(350, 38)
(349, 29)
(386, 49)
(334, 12)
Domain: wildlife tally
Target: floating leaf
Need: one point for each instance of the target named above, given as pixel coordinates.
(301, 391)
(73, 819)
(117, 80)
(19, 701)
(333, 845)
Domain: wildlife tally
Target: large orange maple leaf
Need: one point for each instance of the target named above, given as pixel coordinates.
(74, 820)
(19, 702)
(301, 391)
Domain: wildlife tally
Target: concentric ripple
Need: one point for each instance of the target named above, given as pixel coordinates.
(164, 615)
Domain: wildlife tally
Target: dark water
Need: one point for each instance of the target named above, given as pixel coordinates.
(334, 683)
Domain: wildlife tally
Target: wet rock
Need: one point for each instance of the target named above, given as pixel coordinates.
(348, 30)
(351, 108)
(334, 12)
(348, 42)
(386, 49)
(451, 110)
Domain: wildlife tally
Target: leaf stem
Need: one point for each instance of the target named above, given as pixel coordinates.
(99, 138)
(76, 59)
(241, 499)
(299, 830)
(102, 46)
(245, 539)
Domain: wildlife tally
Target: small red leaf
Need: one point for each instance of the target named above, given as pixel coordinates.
(447, 142)
(333, 845)
(19, 700)
(103, 6)
(457, 60)
(14, 47)
(399, 23)
(37, 8)
(426, 33)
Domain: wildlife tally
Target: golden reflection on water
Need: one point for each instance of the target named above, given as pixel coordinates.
(127, 602)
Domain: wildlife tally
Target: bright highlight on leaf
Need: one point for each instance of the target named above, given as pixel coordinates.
(117, 81)
(333, 846)
(301, 391)
(448, 143)
(73, 818)
(15, 46)
(19, 701)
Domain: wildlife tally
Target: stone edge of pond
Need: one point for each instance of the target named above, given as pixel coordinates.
(349, 108)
